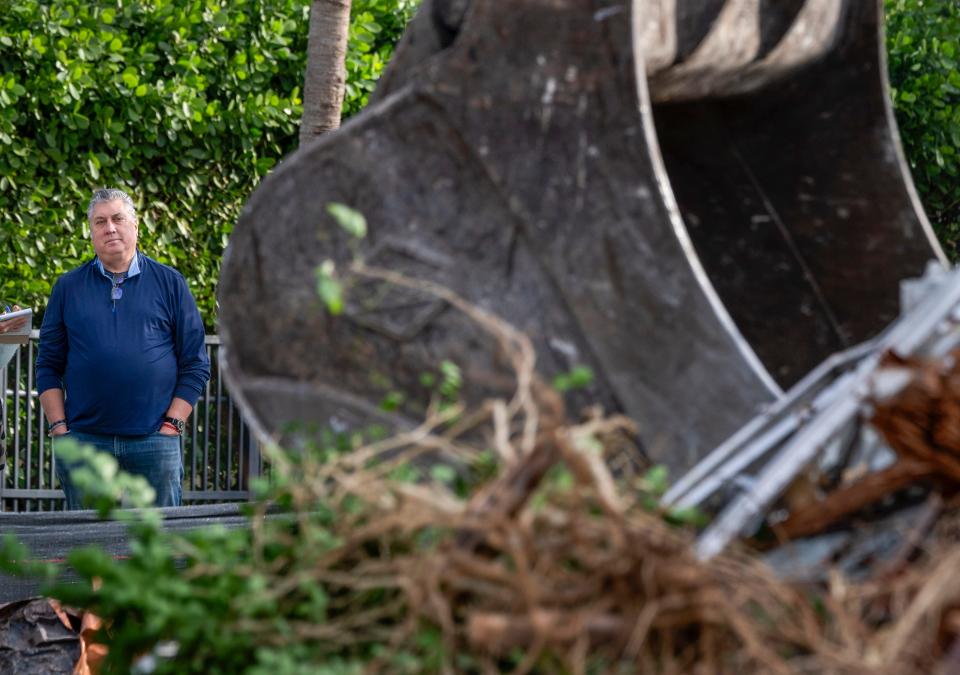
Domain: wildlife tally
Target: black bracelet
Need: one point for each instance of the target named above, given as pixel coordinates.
(58, 423)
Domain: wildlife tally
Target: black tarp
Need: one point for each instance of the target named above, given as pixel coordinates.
(51, 536)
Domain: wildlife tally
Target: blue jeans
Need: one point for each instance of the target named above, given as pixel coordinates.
(156, 457)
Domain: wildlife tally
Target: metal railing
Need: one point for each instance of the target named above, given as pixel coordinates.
(220, 453)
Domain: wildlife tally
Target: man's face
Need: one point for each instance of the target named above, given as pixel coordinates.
(114, 231)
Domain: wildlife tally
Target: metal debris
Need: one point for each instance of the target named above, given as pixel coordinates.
(818, 419)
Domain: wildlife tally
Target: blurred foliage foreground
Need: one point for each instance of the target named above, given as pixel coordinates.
(499, 538)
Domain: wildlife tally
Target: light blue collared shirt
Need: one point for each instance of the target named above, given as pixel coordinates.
(132, 272)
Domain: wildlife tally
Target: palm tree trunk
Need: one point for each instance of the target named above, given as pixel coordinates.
(326, 72)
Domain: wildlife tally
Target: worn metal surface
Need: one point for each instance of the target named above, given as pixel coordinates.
(776, 130)
(749, 199)
(691, 49)
(929, 329)
(798, 201)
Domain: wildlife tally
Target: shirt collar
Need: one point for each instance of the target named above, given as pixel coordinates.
(132, 272)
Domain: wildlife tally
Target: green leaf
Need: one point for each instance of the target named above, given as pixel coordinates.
(451, 380)
(686, 516)
(392, 401)
(578, 378)
(656, 480)
(350, 220)
(441, 473)
(329, 289)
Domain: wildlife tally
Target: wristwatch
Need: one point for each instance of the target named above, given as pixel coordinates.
(177, 424)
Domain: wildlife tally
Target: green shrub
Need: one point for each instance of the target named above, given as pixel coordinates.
(186, 103)
(375, 28)
(923, 44)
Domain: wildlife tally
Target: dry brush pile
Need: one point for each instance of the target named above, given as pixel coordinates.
(551, 562)
(559, 564)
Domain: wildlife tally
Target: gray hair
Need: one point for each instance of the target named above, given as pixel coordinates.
(109, 195)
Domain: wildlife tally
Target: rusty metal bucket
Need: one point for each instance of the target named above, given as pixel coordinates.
(698, 200)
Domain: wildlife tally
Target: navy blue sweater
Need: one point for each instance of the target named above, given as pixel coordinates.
(120, 364)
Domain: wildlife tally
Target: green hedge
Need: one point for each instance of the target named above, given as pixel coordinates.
(923, 43)
(187, 103)
(375, 28)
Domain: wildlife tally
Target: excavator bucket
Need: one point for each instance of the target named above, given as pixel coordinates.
(697, 199)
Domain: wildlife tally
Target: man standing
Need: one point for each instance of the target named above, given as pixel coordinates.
(122, 360)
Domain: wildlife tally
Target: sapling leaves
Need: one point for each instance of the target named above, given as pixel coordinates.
(329, 288)
(351, 220)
